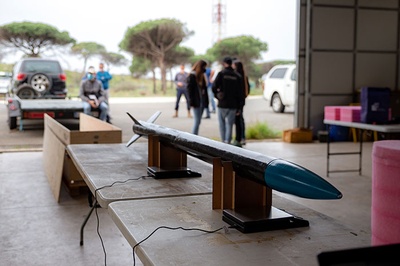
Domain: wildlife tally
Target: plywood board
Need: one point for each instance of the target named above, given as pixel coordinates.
(95, 137)
(90, 123)
(57, 137)
(61, 132)
(53, 158)
(93, 130)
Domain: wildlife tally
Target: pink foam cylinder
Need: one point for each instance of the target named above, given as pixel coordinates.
(385, 208)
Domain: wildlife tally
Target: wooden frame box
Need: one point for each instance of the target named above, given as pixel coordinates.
(57, 165)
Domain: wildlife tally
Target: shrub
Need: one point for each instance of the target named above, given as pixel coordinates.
(261, 131)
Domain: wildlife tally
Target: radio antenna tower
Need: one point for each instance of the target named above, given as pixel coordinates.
(219, 20)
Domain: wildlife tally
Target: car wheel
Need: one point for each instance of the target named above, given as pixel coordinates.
(12, 122)
(26, 92)
(276, 103)
(40, 83)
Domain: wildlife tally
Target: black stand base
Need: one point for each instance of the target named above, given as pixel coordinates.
(176, 172)
(251, 220)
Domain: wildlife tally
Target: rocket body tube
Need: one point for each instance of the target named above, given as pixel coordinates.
(278, 174)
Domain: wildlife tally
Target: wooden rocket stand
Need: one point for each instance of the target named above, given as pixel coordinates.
(167, 162)
(246, 205)
(163, 156)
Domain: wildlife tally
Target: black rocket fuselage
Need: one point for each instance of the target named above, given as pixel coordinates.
(276, 173)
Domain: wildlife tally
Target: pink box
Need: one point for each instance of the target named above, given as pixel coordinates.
(332, 112)
(350, 113)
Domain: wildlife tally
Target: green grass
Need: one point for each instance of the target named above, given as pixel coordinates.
(261, 131)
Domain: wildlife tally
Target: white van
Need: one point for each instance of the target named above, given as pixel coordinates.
(279, 87)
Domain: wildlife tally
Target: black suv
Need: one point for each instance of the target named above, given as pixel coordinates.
(38, 78)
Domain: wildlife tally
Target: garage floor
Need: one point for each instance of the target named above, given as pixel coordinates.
(36, 230)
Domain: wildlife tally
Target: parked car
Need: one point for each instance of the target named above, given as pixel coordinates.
(5, 78)
(279, 87)
(38, 78)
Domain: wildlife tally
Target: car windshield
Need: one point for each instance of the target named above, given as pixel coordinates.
(41, 66)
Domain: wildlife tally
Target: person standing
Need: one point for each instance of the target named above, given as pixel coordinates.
(181, 89)
(240, 138)
(228, 89)
(104, 76)
(209, 76)
(92, 94)
(197, 90)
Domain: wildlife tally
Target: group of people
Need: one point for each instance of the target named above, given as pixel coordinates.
(181, 82)
(230, 87)
(94, 92)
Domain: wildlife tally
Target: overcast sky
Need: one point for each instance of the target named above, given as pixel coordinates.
(105, 22)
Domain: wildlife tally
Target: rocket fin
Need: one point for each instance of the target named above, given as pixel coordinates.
(153, 117)
(133, 139)
(150, 120)
(133, 119)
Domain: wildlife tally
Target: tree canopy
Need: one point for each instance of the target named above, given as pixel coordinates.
(140, 66)
(33, 38)
(153, 40)
(153, 44)
(208, 58)
(115, 59)
(245, 48)
(178, 55)
(87, 50)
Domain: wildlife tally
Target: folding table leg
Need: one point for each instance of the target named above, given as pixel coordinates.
(85, 221)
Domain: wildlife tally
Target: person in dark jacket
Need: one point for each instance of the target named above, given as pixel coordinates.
(228, 89)
(240, 138)
(197, 89)
(92, 94)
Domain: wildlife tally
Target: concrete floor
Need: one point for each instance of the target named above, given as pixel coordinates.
(36, 230)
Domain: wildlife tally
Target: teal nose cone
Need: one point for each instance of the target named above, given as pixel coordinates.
(293, 179)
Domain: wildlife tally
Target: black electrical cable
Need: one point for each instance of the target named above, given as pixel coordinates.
(155, 230)
(175, 228)
(97, 215)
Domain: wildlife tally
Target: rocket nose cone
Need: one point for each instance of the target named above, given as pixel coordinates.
(291, 178)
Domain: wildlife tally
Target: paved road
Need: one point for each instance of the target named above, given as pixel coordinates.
(256, 110)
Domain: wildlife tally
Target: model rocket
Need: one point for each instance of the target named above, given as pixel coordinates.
(278, 174)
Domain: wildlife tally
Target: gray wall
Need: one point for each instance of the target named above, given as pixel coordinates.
(344, 45)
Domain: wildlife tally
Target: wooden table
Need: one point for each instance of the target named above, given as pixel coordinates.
(300, 246)
(395, 128)
(104, 164)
